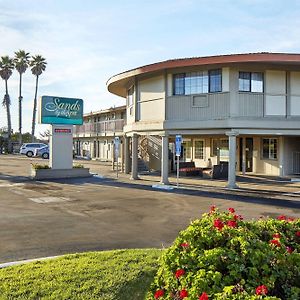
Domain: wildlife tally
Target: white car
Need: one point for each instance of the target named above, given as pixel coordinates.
(29, 148)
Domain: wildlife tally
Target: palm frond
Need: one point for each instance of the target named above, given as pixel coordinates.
(21, 61)
(6, 67)
(38, 65)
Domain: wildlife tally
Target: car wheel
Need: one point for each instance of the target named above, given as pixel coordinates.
(45, 155)
(29, 154)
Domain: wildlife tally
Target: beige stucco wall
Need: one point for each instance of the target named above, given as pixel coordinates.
(275, 89)
(264, 166)
(295, 93)
(151, 100)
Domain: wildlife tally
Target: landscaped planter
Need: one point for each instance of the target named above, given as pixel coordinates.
(39, 174)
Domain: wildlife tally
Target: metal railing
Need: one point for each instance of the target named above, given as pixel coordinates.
(100, 127)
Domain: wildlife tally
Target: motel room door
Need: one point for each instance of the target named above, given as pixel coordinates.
(248, 154)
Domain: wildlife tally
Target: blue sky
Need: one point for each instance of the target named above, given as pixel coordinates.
(86, 42)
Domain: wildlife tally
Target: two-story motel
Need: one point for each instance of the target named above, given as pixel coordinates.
(94, 138)
(244, 108)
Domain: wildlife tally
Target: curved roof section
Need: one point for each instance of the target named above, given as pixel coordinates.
(117, 84)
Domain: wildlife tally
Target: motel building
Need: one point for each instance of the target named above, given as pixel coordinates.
(243, 109)
(94, 138)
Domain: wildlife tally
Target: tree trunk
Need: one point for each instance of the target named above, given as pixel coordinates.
(34, 109)
(20, 111)
(7, 104)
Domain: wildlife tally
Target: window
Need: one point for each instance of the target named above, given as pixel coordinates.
(178, 83)
(269, 150)
(197, 82)
(186, 150)
(215, 81)
(222, 145)
(130, 96)
(251, 82)
(199, 149)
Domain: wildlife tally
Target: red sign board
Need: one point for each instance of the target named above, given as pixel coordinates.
(63, 130)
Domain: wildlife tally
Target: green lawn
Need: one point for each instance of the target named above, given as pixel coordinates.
(120, 274)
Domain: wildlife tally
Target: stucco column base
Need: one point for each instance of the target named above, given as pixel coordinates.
(126, 155)
(165, 160)
(232, 160)
(134, 166)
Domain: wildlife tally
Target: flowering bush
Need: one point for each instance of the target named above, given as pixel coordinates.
(222, 257)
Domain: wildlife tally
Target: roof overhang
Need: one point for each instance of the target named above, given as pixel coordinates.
(118, 84)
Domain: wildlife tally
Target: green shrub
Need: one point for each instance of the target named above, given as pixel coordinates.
(39, 167)
(222, 257)
(78, 166)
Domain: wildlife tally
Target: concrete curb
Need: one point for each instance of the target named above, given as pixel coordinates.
(26, 261)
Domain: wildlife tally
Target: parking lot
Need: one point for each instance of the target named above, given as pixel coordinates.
(40, 219)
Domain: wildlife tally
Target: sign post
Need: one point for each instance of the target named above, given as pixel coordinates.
(62, 113)
(117, 151)
(178, 141)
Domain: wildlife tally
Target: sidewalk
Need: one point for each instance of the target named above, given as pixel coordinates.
(251, 186)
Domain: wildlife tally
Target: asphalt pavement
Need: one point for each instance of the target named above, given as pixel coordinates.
(48, 218)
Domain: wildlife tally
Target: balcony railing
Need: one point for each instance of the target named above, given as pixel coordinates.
(102, 127)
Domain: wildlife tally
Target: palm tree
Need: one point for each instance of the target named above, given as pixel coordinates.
(21, 64)
(6, 69)
(38, 65)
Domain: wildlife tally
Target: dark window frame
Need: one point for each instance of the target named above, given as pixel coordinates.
(250, 82)
(269, 143)
(182, 90)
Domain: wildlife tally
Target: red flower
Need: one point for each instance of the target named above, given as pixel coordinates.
(237, 217)
(231, 223)
(276, 236)
(231, 210)
(261, 290)
(297, 233)
(179, 273)
(183, 294)
(185, 245)
(289, 249)
(281, 218)
(212, 209)
(218, 224)
(290, 219)
(275, 242)
(159, 293)
(203, 296)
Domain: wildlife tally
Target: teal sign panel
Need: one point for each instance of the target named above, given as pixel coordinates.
(60, 110)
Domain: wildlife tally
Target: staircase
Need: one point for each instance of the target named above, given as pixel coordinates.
(149, 157)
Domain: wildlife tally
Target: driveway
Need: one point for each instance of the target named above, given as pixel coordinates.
(40, 219)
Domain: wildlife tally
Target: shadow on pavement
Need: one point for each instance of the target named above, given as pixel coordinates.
(240, 195)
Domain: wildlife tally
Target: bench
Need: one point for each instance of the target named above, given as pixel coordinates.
(217, 171)
(189, 169)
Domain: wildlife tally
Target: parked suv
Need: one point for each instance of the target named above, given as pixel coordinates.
(42, 152)
(28, 149)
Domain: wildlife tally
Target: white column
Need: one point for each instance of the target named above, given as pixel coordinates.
(61, 147)
(281, 156)
(232, 160)
(244, 156)
(126, 155)
(134, 165)
(165, 160)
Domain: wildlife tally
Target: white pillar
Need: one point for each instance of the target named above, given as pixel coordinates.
(232, 160)
(126, 155)
(165, 160)
(244, 155)
(281, 156)
(134, 165)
